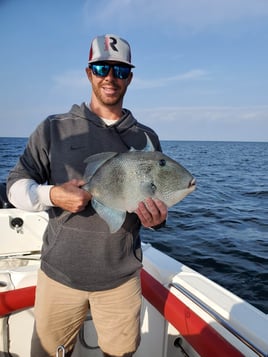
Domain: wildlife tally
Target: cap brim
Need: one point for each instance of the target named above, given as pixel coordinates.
(111, 59)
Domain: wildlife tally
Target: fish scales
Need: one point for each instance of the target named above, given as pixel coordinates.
(119, 181)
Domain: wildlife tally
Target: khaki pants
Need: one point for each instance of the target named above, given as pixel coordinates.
(60, 311)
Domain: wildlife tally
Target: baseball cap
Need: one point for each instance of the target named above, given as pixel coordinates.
(110, 48)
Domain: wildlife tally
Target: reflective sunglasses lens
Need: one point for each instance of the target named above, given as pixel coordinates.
(121, 72)
(100, 69)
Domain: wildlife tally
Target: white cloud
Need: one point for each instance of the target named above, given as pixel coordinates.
(207, 113)
(190, 13)
(207, 123)
(195, 74)
(71, 79)
(190, 75)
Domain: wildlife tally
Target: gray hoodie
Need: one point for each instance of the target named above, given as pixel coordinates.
(78, 249)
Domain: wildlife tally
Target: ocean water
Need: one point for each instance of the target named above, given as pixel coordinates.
(221, 229)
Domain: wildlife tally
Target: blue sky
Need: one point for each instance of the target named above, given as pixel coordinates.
(201, 65)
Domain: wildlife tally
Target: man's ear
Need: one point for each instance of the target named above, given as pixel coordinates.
(129, 78)
(89, 73)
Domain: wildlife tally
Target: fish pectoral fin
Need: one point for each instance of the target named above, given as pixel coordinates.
(113, 217)
(94, 162)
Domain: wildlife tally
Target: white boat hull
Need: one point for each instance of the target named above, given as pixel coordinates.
(183, 314)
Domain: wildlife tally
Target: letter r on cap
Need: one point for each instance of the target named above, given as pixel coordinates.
(112, 42)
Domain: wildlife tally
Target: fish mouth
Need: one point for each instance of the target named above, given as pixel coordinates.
(192, 184)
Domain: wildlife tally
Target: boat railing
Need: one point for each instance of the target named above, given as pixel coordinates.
(219, 319)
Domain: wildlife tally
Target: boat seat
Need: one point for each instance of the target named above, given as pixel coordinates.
(4, 203)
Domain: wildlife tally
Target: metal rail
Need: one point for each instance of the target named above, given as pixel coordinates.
(219, 319)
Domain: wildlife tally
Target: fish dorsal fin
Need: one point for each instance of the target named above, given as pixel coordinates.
(148, 147)
(94, 162)
(113, 217)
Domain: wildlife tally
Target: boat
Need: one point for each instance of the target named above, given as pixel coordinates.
(183, 312)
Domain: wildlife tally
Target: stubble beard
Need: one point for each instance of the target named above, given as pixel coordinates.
(109, 100)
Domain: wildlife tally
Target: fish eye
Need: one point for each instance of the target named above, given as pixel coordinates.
(162, 162)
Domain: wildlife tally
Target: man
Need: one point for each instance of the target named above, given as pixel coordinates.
(82, 264)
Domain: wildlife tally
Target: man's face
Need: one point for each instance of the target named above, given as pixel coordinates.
(108, 90)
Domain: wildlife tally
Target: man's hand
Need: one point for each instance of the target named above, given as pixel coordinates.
(152, 212)
(69, 196)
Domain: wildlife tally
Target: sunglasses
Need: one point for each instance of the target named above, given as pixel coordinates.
(102, 70)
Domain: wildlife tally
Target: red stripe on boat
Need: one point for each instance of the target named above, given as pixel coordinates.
(14, 300)
(203, 338)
